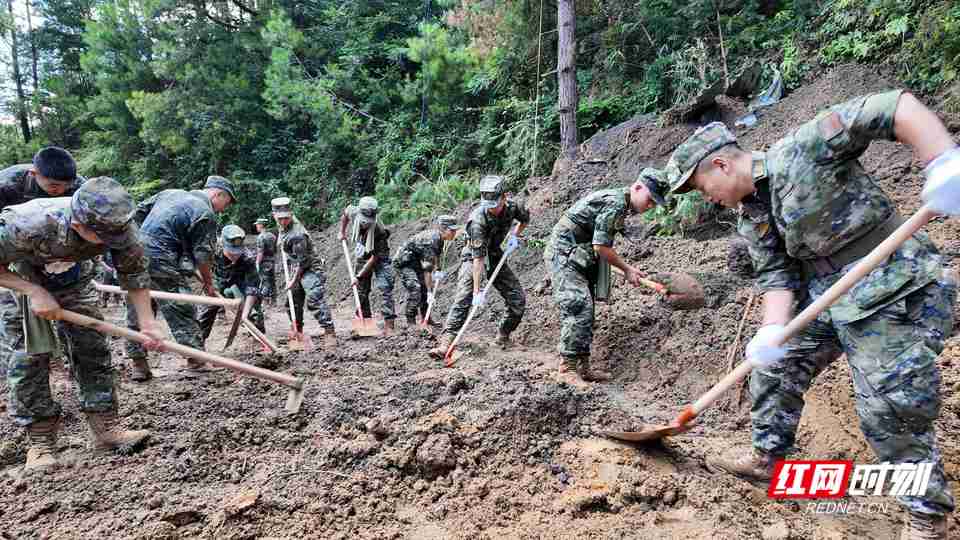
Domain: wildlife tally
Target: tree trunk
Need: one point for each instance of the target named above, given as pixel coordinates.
(567, 78)
(33, 46)
(14, 55)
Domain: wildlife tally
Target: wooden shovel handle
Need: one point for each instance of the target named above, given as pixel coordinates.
(356, 293)
(659, 287)
(176, 297)
(866, 265)
(107, 328)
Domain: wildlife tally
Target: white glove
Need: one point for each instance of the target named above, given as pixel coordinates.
(512, 243)
(762, 351)
(479, 299)
(439, 276)
(942, 188)
(430, 297)
(358, 250)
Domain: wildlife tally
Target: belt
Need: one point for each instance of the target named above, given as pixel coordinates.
(859, 248)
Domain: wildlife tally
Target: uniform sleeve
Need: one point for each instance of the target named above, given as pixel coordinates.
(521, 214)
(775, 269)
(381, 243)
(202, 236)
(220, 278)
(431, 255)
(848, 129)
(298, 249)
(477, 238)
(9, 251)
(608, 223)
(131, 266)
(143, 210)
(251, 280)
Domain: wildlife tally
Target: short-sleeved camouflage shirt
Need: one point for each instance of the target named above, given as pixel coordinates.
(267, 246)
(421, 251)
(381, 237)
(486, 232)
(18, 187)
(601, 214)
(177, 223)
(298, 247)
(242, 273)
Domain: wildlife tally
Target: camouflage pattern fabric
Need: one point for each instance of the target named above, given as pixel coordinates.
(267, 245)
(311, 291)
(412, 281)
(421, 251)
(174, 224)
(685, 158)
(486, 232)
(506, 284)
(18, 187)
(181, 317)
(385, 277)
(240, 274)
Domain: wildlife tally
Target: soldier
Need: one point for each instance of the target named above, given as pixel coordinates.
(372, 254)
(307, 280)
(233, 268)
(266, 250)
(489, 224)
(418, 265)
(53, 173)
(579, 255)
(176, 224)
(108, 276)
(810, 211)
(45, 241)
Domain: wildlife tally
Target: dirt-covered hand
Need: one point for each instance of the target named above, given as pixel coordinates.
(44, 305)
(634, 277)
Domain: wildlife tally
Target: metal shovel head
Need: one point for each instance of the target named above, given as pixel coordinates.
(364, 327)
(451, 358)
(648, 433)
(294, 343)
(683, 290)
(294, 400)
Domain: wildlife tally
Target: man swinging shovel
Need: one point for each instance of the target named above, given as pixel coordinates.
(418, 267)
(489, 225)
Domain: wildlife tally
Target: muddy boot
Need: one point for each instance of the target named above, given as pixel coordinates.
(42, 437)
(411, 322)
(330, 337)
(924, 527)
(388, 327)
(442, 345)
(567, 371)
(503, 340)
(747, 463)
(140, 370)
(591, 375)
(108, 435)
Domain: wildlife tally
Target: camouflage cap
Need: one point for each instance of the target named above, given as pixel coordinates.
(448, 222)
(219, 182)
(232, 238)
(688, 155)
(281, 207)
(491, 188)
(368, 208)
(262, 221)
(656, 182)
(104, 206)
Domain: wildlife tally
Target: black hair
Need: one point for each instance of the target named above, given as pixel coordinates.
(56, 164)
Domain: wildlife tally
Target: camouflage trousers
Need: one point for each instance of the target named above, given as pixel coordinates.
(892, 356)
(506, 284)
(312, 290)
(385, 278)
(180, 316)
(208, 315)
(268, 280)
(574, 298)
(9, 317)
(416, 306)
(29, 374)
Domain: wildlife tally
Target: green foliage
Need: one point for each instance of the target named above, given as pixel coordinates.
(680, 212)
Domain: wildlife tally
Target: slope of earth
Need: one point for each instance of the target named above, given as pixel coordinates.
(391, 445)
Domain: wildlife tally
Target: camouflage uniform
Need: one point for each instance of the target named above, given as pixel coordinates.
(174, 224)
(241, 274)
(382, 271)
(37, 240)
(419, 254)
(816, 211)
(485, 234)
(298, 247)
(266, 246)
(18, 187)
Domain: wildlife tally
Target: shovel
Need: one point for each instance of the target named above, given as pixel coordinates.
(298, 340)
(426, 318)
(294, 397)
(359, 325)
(679, 290)
(805, 317)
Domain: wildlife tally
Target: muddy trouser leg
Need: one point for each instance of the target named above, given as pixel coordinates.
(385, 278)
(574, 299)
(9, 317)
(206, 317)
(363, 289)
(511, 290)
(299, 296)
(423, 304)
(409, 278)
(315, 285)
(28, 378)
(893, 359)
(180, 316)
(267, 281)
(460, 308)
(256, 314)
(135, 351)
(89, 353)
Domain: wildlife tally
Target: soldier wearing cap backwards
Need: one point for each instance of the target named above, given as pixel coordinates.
(307, 280)
(579, 255)
(372, 254)
(176, 224)
(266, 250)
(810, 211)
(233, 269)
(418, 264)
(46, 241)
(488, 225)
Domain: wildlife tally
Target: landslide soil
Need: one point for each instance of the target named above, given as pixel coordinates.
(389, 444)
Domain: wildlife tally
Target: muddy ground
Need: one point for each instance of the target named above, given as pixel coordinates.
(389, 444)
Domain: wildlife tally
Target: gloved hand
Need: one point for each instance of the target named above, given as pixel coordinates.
(358, 250)
(942, 188)
(512, 243)
(439, 276)
(430, 297)
(762, 351)
(479, 299)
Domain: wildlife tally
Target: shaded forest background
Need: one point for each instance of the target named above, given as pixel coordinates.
(409, 100)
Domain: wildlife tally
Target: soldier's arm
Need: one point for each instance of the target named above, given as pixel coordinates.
(202, 236)
(299, 250)
(132, 275)
(251, 280)
(344, 221)
(778, 274)
(920, 128)
(478, 267)
(605, 228)
(143, 210)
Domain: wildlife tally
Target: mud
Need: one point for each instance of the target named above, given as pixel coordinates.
(389, 444)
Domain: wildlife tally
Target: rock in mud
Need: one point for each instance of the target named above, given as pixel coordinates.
(436, 456)
(777, 531)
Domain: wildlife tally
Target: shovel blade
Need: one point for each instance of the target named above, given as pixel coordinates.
(648, 433)
(684, 291)
(451, 358)
(294, 400)
(294, 343)
(364, 327)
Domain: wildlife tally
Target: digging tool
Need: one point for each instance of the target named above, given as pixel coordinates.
(241, 314)
(296, 335)
(359, 325)
(684, 291)
(865, 266)
(294, 398)
(426, 318)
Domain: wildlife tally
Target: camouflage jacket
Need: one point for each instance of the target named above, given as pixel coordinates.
(298, 247)
(814, 198)
(37, 240)
(599, 216)
(242, 274)
(177, 223)
(381, 236)
(486, 232)
(18, 187)
(421, 251)
(267, 247)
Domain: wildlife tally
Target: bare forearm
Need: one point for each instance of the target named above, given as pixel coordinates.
(206, 275)
(920, 128)
(344, 221)
(368, 267)
(520, 228)
(777, 307)
(140, 298)
(9, 280)
(610, 255)
(478, 266)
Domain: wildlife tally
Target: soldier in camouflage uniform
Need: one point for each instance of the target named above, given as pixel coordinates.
(489, 224)
(266, 251)
(418, 265)
(107, 276)
(307, 280)
(233, 269)
(810, 211)
(177, 224)
(372, 252)
(45, 242)
(580, 244)
(53, 173)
